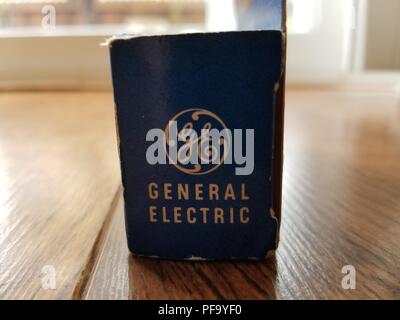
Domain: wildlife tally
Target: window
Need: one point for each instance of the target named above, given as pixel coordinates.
(101, 16)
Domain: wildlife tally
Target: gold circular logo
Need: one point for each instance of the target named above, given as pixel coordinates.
(195, 152)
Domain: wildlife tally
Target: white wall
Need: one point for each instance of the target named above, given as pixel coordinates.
(319, 56)
(322, 55)
(54, 61)
(383, 36)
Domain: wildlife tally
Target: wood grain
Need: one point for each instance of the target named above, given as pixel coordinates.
(58, 175)
(341, 206)
(60, 205)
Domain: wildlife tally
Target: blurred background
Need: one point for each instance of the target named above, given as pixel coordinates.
(55, 43)
(61, 206)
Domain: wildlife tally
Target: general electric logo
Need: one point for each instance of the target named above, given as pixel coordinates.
(197, 142)
(188, 140)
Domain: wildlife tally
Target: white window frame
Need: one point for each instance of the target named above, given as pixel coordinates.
(67, 59)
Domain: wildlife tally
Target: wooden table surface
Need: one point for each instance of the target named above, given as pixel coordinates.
(61, 211)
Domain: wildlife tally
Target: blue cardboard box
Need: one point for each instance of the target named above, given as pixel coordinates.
(200, 125)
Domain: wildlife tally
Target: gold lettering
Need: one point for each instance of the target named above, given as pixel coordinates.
(213, 192)
(231, 216)
(242, 212)
(164, 215)
(177, 215)
(153, 191)
(198, 188)
(190, 218)
(152, 214)
(204, 211)
(167, 191)
(218, 215)
(183, 191)
(229, 194)
(244, 196)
